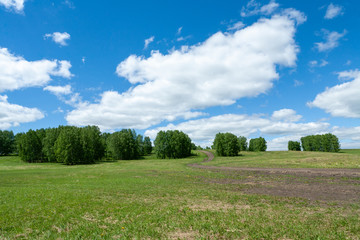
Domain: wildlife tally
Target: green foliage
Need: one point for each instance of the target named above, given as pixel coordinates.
(92, 143)
(51, 135)
(140, 143)
(321, 143)
(123, 145)
(68, 148)
(7, 141)
(30, 147)
(226, 144)
(243, 143)
(147, 145)
(257, 145)
(294, 146)
(172, 144)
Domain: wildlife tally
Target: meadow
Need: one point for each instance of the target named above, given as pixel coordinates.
(167, 199)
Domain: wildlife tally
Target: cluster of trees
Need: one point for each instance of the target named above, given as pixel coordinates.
(227, 144)
(73, 145)
(173, 144)
(322, 143)
(7, 142)
(294, 146)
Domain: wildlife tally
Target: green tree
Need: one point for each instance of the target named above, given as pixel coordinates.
(7, 141)
(294, 146)
(226, 144)
(68, 147)
(93, 146)
(257, 144)
(51, 135)
(243, 143)
(123, 145)
(140, 143)
(147, 145)
(30, 147)
(172, 144)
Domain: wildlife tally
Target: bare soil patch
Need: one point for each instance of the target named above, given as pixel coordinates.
(338, 185)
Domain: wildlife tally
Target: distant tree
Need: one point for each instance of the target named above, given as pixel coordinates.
(257, 144)
(30, 147)
(172, 144)
(322, 143)
(193, 146)
(147, 145)
(243, 143)
(140, 143)
(68, 146)
(51, 135)
(294, 146)
(93, 146)
(226, 144)
(123, 145)
(7, 141)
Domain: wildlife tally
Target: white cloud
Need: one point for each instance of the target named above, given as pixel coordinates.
(13, 115)
(255, 8)
(333, 11)
(315, 63)
(16, 5)
(341, 100)
(83, 59)
(219, 71)
(69, 3)
(287, 115)
(179, 31)
(16, 72)
(59, 38)
(298, 83)
(331, 40)
(202, 131)
(59, 90)
(148, 41)
(296, 15)
(236, 26)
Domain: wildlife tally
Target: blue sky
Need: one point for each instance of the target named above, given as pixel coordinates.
(277, 69)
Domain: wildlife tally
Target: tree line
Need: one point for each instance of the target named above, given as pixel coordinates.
(228, 144)
(321, 143)
(74, 145)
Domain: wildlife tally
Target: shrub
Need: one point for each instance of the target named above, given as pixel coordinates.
(172, 144)
(294, 146)
(257, 144)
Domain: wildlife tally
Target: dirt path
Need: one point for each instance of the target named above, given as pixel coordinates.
(341, 185)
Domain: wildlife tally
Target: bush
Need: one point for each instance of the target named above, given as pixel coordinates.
(257, 145)
(294, 146)
(172, 144)
(226, 144)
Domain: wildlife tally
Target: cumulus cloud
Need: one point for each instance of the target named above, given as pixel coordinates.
(315, 63)
(15, 5)
(16, 72)
(12, 115)
(287, 115)
(148, 41)
(341, 100)
(202, 131)
(255, 8)
(331, 40)
(59, 38)
(219, 71)
(333, 11)
(59, 90)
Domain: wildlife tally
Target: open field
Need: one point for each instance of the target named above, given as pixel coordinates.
(168, 199)
(347, 158)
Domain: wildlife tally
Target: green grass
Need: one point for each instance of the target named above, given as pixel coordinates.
(156, 199)
(348, 158)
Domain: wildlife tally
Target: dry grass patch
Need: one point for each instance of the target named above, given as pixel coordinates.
(180, 234)
(209, 205)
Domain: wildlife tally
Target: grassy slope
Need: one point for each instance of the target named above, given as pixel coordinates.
(289, 159)
(153, 198)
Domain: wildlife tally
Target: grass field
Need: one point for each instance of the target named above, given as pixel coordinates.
(347, 158)
(165, 199)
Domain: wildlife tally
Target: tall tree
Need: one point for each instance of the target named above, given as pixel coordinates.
(7, 141)
(226, 144)
(172, 144)
(147, 145)
(243, 143)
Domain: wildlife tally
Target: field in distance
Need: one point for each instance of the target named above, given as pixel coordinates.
(346, 158)
(168, 199)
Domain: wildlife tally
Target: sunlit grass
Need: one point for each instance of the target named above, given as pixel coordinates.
(156, 199)
(291, 159)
